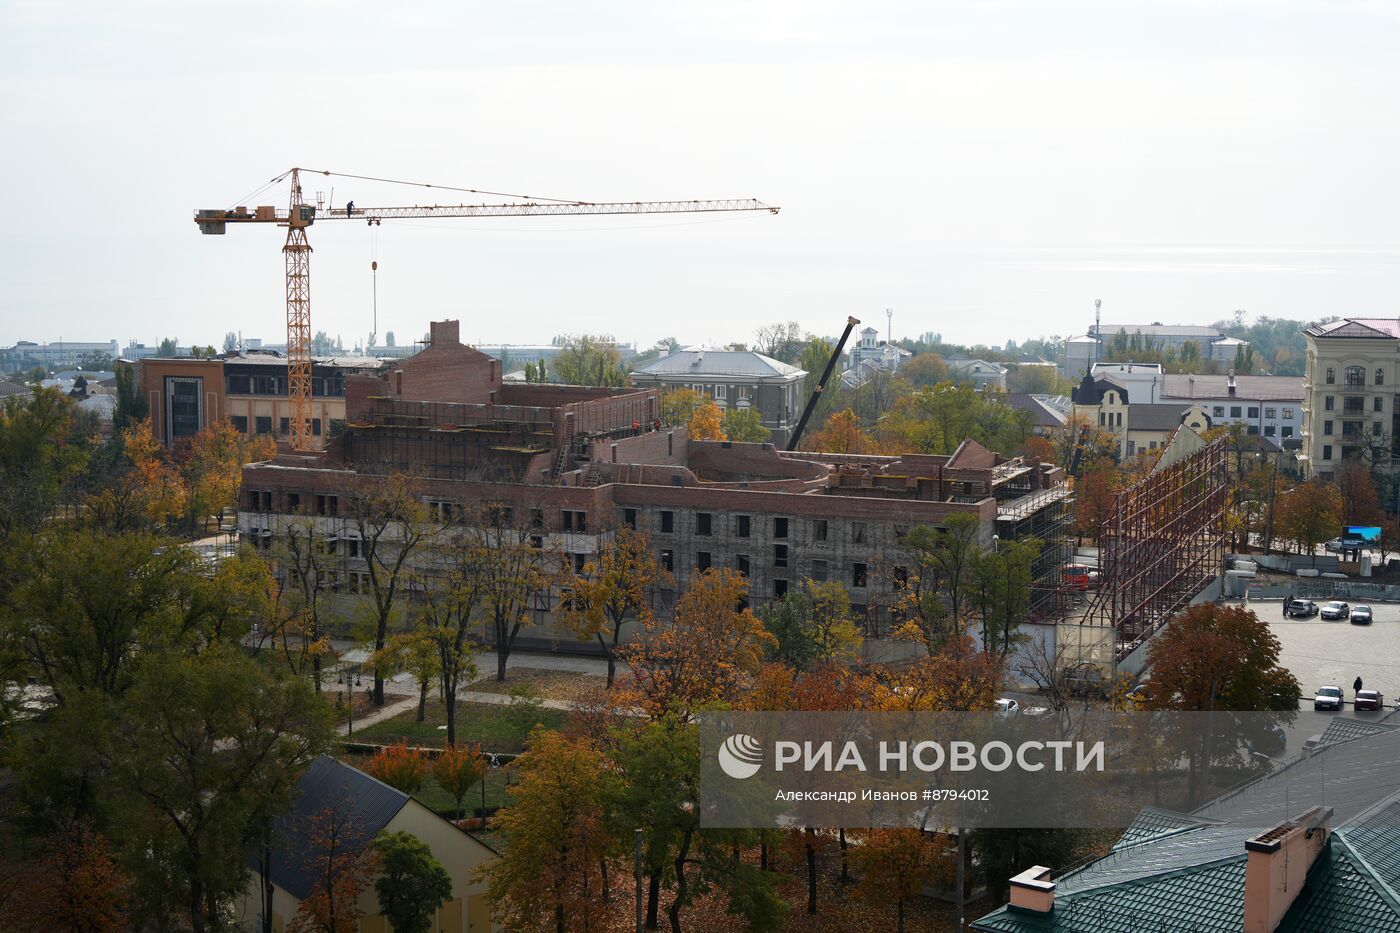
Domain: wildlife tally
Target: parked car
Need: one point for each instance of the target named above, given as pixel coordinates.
(1369, 700)
(1361, 615)
(1336, 610)
(1299, 608)
(1328, 697)
(1142, 693)
(1008, 707)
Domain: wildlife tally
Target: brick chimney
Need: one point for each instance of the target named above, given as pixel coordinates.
(444, 333)
(1032, 890)
(1278, 864)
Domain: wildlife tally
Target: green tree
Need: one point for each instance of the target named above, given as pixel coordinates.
(412, 884)
(38, 460)
(813, 625)
(168, 347)
(1002, 591)
(587, 360)
(207, 747)
(944, 561)
(743, 425)
(131, 403)
(925, 369)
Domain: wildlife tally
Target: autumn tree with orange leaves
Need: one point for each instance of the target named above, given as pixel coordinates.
(706, 423)
(210, 466)
(75, 884)
(842, 434)
(339, 857)
(457, 770)
(1309, 514)
(709, 651)
(614, 588)
(557, 832)
(400, 766)
(897, 864)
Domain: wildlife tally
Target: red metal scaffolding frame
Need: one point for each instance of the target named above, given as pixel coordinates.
(1161, 545)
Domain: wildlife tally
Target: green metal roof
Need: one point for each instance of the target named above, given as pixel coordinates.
(1154, 822)
(1343, 729)
(1194, 883)
(1204, 900)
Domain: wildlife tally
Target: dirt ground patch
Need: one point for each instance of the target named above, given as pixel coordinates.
(570, 686)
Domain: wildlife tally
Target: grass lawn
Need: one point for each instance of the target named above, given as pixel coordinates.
(497, 728)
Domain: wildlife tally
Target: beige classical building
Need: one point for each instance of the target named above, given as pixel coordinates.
(1349, 397)
(1137, 426)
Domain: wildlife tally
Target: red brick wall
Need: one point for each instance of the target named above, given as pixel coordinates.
(358, 391)
(653, 447)
(447, 371)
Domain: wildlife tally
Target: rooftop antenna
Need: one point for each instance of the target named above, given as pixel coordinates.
(1098, 332)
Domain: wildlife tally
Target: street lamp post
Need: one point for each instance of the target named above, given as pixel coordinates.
(344, 678)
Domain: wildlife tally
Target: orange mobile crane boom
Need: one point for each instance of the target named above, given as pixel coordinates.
(297, 252)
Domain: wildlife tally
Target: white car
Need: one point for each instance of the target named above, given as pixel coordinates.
(1008, 707)
(1336, 610)
(1329, 697)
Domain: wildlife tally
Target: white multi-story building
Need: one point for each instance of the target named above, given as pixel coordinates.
(61, 354)
(1270, 406)
(1349, 397)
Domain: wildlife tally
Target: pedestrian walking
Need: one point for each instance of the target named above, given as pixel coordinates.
(1356, 685)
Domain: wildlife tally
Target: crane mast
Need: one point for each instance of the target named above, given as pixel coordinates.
(297, 254)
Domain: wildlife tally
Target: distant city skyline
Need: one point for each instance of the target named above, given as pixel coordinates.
(987, 170)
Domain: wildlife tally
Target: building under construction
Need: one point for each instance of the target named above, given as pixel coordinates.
(580, 462)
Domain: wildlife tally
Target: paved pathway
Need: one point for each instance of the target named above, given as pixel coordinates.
(387, 711)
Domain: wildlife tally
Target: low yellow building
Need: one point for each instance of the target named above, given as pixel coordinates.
(332, 792)
(1137, 427)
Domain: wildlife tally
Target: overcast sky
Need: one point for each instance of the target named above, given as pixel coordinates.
(986, 169)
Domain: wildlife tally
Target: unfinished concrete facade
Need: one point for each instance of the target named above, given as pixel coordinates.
(569, 460)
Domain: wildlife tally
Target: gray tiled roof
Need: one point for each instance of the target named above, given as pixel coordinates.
(1160, 417)
(1041, 414)
(1280, 388)
(700, 363)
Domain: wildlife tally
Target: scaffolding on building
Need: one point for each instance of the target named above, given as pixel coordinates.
(1162, 543)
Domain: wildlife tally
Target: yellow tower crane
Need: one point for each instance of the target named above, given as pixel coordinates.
(297, 253)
